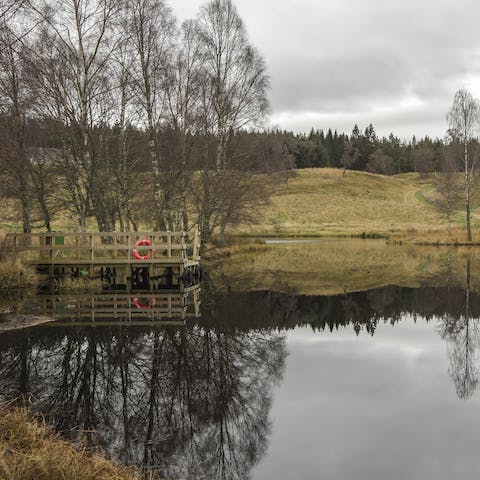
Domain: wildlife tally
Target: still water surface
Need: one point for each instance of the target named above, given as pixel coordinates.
(295, 381)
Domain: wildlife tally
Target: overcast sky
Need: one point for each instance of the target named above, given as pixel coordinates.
(393, 63)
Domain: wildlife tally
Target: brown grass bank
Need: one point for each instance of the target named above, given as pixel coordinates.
(29, 450)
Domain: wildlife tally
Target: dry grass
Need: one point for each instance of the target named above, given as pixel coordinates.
(78, 283)
(323, 202)
(436, 237)
(29, 450)
(14, 274)
(214, 253)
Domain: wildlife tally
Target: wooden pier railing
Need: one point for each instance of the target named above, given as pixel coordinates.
(101, 248)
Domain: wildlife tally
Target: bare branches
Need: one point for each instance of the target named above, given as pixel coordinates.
(463, 116)
(73, 68)
(134, 99)
(463, 120)
(235, 74)
(9, 8)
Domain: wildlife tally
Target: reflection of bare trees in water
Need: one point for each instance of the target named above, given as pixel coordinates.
(190, 403)
(462, 334)
(194, 402)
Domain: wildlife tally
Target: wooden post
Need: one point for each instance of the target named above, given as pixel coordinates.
(52, 242)
(184, 247)
(91, 248)
(181, 272)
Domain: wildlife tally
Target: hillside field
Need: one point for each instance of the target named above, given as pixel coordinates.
(323, 201)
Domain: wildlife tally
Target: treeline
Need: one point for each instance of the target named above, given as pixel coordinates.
(111, 111)
(365, 151)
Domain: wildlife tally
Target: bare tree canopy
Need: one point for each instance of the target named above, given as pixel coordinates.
(147, 122)
(463, 116)
(236, 78)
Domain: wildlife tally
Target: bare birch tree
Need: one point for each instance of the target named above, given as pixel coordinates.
(463, 119)
(449, 189)
(16, 100)
(125, 163)
(183, 102)
(233, 97)
(235, 74)
(151, 27)
(74, 49)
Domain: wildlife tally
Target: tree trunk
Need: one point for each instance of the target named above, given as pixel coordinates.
(27, 227)
(467, 191)
(46, 215)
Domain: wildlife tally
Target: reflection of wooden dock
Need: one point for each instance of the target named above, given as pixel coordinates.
(121, 307)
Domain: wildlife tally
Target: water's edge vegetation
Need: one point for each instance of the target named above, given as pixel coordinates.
(30, 450)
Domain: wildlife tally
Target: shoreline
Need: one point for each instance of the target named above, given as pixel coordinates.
(430, 238)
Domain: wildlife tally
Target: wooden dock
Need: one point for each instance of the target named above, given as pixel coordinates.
(173, 251)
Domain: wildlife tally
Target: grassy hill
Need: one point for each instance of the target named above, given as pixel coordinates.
(326, 202)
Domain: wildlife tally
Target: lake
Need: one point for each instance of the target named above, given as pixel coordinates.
(332, 359)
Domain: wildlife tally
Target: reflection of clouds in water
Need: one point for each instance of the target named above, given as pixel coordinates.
(381, 344)
(371, 408)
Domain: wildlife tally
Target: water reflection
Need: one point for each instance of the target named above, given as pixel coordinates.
(462, 334)
(190, 403)
(195, 401)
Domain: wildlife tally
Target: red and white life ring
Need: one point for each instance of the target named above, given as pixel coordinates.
(136, 301)
(142, 243)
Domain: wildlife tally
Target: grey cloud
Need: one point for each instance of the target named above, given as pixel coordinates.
(339, 84)
(343, 59)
